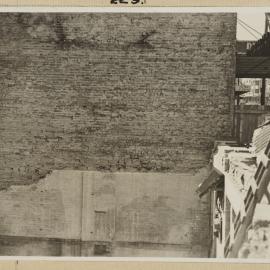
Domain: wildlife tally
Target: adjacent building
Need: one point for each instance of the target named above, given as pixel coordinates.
(240, 197)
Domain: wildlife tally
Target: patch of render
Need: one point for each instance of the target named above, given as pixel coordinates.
(31, 207)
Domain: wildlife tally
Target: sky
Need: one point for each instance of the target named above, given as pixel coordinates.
(255, 20)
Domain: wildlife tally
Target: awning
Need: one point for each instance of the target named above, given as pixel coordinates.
(213, 178)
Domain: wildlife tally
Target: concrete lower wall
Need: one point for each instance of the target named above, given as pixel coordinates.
(138, 214)
(156, 250)
(27, 246)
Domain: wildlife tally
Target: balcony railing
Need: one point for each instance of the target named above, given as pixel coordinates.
(252, 197)
(237, 224)
(249, 199)
(227, 246)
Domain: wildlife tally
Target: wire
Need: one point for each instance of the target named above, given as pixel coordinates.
(253, 34)
(249, 26)
(245, 25)
(248, 30)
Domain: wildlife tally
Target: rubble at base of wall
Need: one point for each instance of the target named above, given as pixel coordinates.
(258, 243)
(258, 246)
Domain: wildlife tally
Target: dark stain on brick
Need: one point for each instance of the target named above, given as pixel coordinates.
(151, 219)
(107, 189)
(143, 42)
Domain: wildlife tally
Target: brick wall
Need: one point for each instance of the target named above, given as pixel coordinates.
(133, 92)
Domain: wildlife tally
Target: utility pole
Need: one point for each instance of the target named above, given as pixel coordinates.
(263, 89)
(267, 21)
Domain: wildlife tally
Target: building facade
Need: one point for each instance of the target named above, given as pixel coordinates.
(136, 93)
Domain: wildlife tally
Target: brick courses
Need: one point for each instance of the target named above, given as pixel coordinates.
(132, 92)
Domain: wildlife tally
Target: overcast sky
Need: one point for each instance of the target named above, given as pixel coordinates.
(255, 20)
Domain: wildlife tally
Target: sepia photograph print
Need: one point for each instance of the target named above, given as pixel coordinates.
(135, 134)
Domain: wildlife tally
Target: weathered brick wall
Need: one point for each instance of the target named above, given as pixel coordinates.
(134, 92)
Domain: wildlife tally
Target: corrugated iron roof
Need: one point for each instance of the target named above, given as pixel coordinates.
(252, 66)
